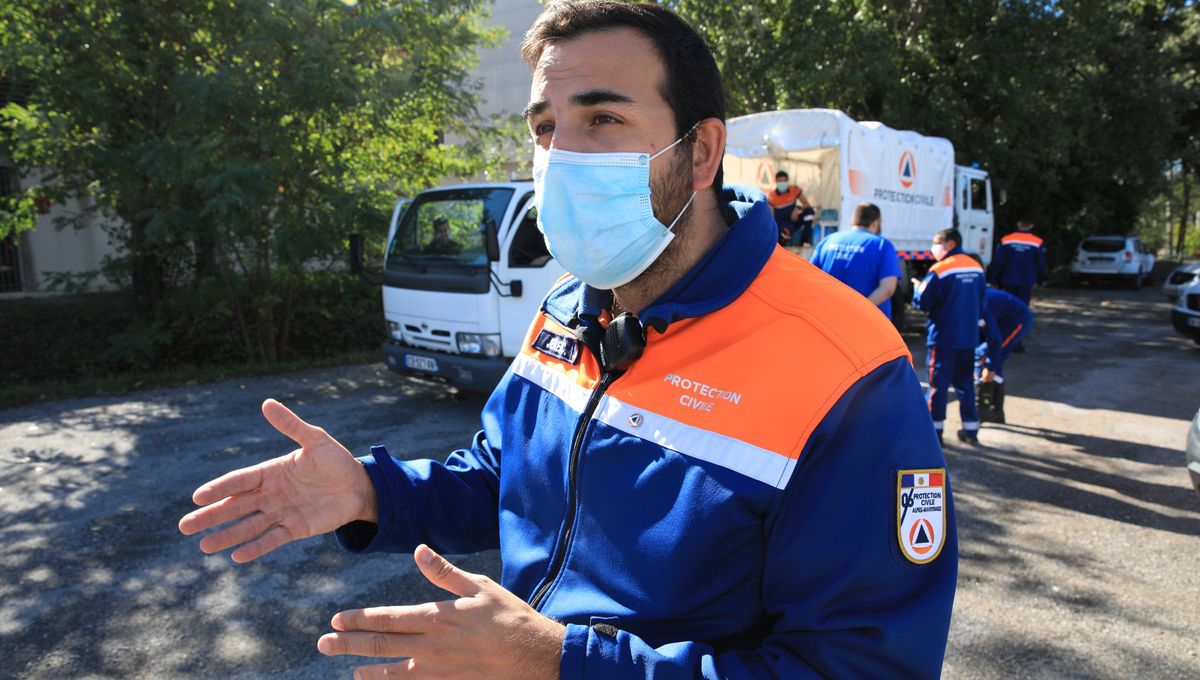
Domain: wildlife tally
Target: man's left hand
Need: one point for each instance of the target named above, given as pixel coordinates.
(487, 632)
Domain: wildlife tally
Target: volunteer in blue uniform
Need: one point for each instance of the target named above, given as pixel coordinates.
(862, 259)
(1008, 320)
(654, 514)
(953, 295)
(1019, 262)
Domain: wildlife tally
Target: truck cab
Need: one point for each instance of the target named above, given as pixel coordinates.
(973, 211)
(464, 272)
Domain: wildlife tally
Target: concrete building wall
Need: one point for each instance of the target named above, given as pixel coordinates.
(504, 75)
(47, 250)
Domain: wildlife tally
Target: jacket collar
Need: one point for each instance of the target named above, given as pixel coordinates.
(722, 275)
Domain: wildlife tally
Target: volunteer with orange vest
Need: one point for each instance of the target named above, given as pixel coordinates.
(673, 490)
(953, 294)
(1007, 321)
(794, 221)
(1019, 262)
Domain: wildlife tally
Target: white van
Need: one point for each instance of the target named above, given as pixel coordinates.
(458, 304)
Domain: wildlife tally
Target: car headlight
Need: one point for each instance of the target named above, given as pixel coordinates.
(393, 330)
(482, 344)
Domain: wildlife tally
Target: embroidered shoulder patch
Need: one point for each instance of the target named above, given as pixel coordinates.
(921, 513)
(558, 346)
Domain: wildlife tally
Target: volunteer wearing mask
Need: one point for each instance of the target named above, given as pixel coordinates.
(656, 515)
(953, 294)
(794, 215)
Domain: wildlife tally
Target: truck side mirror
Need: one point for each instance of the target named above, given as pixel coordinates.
(491, 240)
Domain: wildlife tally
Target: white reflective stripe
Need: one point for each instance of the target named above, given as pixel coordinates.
(942, 273)
(969, 425)
(757, 463)
(555, 382)
(939, 425)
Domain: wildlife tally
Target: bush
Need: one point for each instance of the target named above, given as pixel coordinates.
(76, 337)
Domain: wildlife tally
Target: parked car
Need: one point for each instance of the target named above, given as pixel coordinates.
(1186, 314)
(1193, 451)
(1112, 258)
(1182, 275)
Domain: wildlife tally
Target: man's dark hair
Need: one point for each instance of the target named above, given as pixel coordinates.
(692, 86)
(781, 174)
(950, 235)
(865, 214)
(1024, 224)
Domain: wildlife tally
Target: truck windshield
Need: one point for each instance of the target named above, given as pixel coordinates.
(440, 243)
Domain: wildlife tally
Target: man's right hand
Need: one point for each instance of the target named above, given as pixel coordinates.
(312, 490)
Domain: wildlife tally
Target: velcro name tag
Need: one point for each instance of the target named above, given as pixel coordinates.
(558, 346)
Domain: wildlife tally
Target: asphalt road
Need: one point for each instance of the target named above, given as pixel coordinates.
(1079, 528)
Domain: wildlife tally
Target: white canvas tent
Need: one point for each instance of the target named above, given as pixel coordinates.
(840, 163)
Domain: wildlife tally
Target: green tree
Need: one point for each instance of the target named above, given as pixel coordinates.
(1073, 106)
(236, 144)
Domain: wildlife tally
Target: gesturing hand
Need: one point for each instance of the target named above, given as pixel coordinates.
(486, 633)
(312, 490)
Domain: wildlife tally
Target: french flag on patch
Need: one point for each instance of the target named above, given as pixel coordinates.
(922, 479)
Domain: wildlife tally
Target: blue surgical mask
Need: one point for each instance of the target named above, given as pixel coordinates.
(594, 210)
(781, 187)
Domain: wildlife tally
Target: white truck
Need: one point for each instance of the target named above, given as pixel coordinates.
(458, 305)
(840, 162)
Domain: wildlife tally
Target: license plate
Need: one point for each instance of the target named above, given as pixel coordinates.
(421, 363)
(1194, 322)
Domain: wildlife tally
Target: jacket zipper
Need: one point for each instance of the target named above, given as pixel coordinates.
(560, 554)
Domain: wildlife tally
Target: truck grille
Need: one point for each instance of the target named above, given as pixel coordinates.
(426, 338)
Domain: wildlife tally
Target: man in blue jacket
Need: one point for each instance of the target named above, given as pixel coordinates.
(655, 516)
(862, 259)
(1019, 262)
(953, 295)
(1007, 321)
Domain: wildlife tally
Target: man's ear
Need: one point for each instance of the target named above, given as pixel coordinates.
(707, 152)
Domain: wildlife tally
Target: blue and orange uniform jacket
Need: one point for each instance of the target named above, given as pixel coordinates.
(1007, 319)
(1019, 260)
(953, 293)
(726, 507)
(782, 206)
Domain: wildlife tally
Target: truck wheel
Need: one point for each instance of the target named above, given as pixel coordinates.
(1135, 281)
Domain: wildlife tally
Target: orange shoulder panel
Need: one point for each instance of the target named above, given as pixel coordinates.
(959, 261)
(787, 198)
(769, 366)
(1022, 237)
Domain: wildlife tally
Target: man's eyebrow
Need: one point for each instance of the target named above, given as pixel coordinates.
(534, 108)
(594, 97)
(583, 99)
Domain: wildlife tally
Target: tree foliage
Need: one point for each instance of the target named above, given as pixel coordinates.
(235, 145)
(1074, 106)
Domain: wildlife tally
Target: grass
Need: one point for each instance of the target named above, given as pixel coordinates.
(20, 394)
